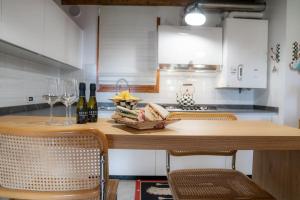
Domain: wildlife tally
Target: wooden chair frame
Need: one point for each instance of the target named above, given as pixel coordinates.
(62, 195)
(197, 153)
(201, 116)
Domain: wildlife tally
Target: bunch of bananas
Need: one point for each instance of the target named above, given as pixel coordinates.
(125, 95)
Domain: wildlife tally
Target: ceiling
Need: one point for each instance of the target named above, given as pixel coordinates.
(151, 2)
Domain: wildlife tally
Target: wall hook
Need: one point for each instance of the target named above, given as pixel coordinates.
(275, 56)
(295, 64)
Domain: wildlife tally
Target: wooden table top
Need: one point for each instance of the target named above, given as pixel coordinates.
(185, 134)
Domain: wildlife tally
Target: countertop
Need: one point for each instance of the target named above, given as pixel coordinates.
(60, 111)
(184, 134)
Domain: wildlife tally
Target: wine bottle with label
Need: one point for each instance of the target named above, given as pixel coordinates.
(82, 110)
(92, 104)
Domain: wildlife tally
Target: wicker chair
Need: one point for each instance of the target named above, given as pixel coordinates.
(201, 116)
(211, 184)
(55, 165)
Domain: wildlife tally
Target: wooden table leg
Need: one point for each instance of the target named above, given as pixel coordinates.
(278, 172)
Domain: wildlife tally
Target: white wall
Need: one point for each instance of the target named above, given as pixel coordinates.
(283, 86)
(273, 95)
(20, 79)
(205, 92)
(291, 106)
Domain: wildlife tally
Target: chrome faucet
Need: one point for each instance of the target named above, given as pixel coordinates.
(118, 84)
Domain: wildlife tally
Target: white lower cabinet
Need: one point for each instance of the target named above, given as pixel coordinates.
(125, 162)
(131, 162)
(187, 162)
(244, 160)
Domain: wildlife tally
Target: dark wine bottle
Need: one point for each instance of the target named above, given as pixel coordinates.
(82, 110)
(92, 104)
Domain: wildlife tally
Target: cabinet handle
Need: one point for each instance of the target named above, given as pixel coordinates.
(240, 72)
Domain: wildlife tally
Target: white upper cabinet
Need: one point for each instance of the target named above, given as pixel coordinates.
(73, 46)
(55, 32)
(1, 26)
(245, 51)
(190, 45)
(22, 23)
(42, 27)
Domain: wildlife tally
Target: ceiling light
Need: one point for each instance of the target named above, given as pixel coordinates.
(194, 16)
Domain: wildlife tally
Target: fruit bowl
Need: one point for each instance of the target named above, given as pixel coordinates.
(130, 104)
(126, 100)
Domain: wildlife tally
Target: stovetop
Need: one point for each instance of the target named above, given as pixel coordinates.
(196, 108)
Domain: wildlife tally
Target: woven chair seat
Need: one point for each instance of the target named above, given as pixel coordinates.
(202, 116)
(214, 184)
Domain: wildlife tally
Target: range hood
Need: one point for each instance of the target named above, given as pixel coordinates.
(188, 68)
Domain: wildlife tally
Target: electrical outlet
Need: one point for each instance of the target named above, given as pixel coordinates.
(30, 99)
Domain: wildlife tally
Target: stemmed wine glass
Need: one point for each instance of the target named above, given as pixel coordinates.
(52, 96)
(68, 97)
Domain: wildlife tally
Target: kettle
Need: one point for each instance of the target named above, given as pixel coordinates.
(185, 98)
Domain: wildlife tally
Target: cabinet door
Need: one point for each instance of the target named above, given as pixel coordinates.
(22, 23)
(244, 158)
(187, 162)
(245, 52)
(131, 162)
(73, 44)
(1, 26)
(189, 45)
(55, 29)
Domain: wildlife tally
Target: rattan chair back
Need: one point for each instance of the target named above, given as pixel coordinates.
(52, 165)
(201, 116)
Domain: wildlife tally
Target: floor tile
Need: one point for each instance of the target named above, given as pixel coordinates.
(126, 190)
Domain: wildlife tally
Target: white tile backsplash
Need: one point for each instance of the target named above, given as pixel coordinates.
(20, 79)
(205, 91)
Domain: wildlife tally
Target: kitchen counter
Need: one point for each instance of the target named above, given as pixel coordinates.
(106, 112)
(261, 136)
(106, 109)
(211, 108)
(185, 134)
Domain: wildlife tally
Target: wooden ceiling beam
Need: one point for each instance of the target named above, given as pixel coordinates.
(128, 2)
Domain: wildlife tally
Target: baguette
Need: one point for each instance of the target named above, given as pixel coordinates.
(163, 113)
(151, 115)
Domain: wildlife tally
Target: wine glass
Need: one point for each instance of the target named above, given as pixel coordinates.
(52, 96)
(68, 97)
